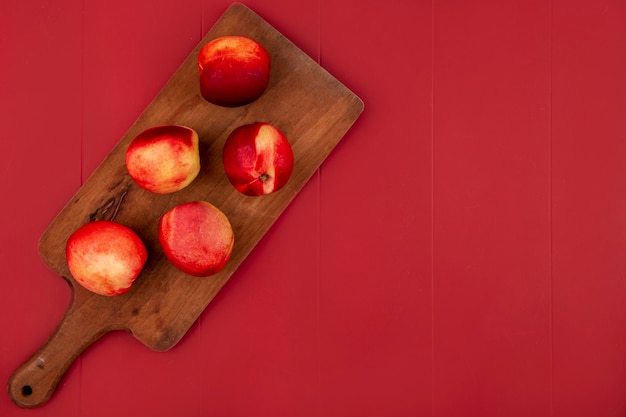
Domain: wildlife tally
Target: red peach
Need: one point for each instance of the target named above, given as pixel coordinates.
(105, 257)
(196, 238)
(164, 159)
(258, 159)
(234, 70)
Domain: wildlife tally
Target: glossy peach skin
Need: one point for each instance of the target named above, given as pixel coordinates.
(258, 159)
(105, 257)
(164, 159)
(234, 70)
(196, 237)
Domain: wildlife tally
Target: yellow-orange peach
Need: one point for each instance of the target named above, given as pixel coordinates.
(164, 159)
(105, 257)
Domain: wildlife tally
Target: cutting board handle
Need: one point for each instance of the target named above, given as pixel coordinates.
(34, 382)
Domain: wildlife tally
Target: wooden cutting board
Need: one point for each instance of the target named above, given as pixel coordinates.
(305, 102)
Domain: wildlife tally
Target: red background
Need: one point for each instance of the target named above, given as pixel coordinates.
(462, 252)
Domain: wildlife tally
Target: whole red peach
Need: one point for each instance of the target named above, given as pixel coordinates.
(196, 237)
(234, 70)
(258, 159)
(105, 257)
(164, 159)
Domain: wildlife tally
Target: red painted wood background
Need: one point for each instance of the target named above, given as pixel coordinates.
(462, 252)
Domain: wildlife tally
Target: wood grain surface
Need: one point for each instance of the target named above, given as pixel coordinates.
(310, 106)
